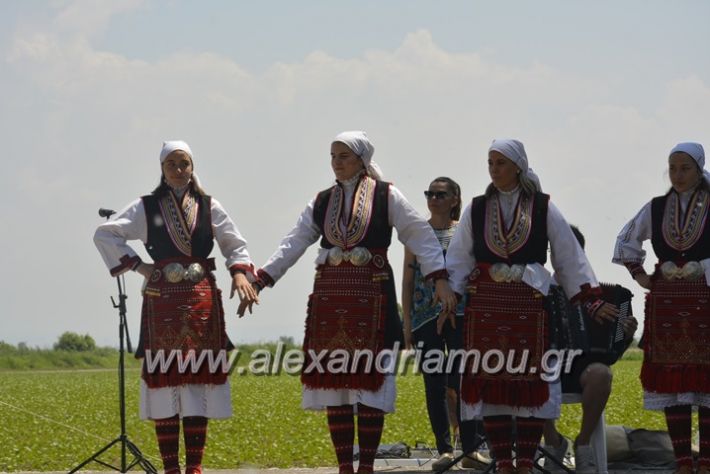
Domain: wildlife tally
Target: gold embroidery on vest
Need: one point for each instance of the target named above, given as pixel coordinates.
(360, 215)
(180, 220)
(505, 243)
(683, 235)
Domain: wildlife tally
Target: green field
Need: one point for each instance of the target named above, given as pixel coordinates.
(52, 420)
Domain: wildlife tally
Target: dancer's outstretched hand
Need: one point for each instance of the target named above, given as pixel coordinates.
(248, 293)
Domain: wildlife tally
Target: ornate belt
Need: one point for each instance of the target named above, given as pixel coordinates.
(358, 256)
(689, 271)
(504, 273)
(176, 272)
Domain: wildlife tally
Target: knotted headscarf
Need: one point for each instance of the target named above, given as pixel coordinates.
(514, 150)
(170, 146)
(358, 142)
(696, 152)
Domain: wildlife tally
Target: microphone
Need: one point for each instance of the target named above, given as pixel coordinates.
(106, 212)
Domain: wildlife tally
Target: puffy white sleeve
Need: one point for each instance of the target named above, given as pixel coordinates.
(111, 238)
(629, 250)
(304, 234)
(460, 260)
(416, 234)
(230, 241)
(572, 268)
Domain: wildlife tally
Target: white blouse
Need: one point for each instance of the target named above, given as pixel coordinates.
(130, 224)
(412, 230)
(629, 242)
(571, 265)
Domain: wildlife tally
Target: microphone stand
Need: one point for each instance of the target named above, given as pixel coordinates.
(126, 444)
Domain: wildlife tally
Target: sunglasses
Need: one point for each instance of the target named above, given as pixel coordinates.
(436, 194)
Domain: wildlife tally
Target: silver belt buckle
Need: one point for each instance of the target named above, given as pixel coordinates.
(195, 272)
(358, 256)
(503, 273)
(335, 256)
(175, 272)
(689, 271)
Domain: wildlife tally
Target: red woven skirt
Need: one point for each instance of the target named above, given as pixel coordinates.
(181, 321)
(505, 317)
(346, 319)
(677, 337)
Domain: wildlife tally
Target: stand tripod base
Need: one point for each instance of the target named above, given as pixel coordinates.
(126, 445)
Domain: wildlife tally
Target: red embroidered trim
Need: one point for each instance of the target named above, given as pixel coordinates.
(635, 268)
(587, 293)
(591, 307)
(264, 279)
(127, 263)
(242, 268)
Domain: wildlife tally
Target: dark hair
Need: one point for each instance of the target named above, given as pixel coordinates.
(578, 234)
(455, 189)
(163, 188)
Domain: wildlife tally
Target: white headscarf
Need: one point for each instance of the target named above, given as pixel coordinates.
(696, 152)
(174, 145)
(170, 146)
(358, 142)
(514, 150)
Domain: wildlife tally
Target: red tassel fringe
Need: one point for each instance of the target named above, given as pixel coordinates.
(662, 378)
(371, 382)
(515, 393)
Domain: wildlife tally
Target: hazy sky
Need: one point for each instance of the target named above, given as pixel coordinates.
(599, 92)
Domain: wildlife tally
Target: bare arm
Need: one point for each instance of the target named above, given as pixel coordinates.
(407, 295)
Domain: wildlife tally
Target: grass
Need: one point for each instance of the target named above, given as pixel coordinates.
(50, 359)
(625, 406)
(23, 358)
(268, 429)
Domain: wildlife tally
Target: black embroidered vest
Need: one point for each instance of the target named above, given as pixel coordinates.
(527, 245)
(677, 237)
(160, 245)
(379, 232)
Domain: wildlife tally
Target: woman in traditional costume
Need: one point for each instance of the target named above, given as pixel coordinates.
(182, 314)
(496, 257)
(353, 307)
(675, 374)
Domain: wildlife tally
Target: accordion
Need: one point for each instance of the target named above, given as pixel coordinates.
(571, 327)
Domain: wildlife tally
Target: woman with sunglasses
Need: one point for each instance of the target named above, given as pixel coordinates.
(675, 374)
(497, 258)
(423, 329)
(182, 306)
(353, 308)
